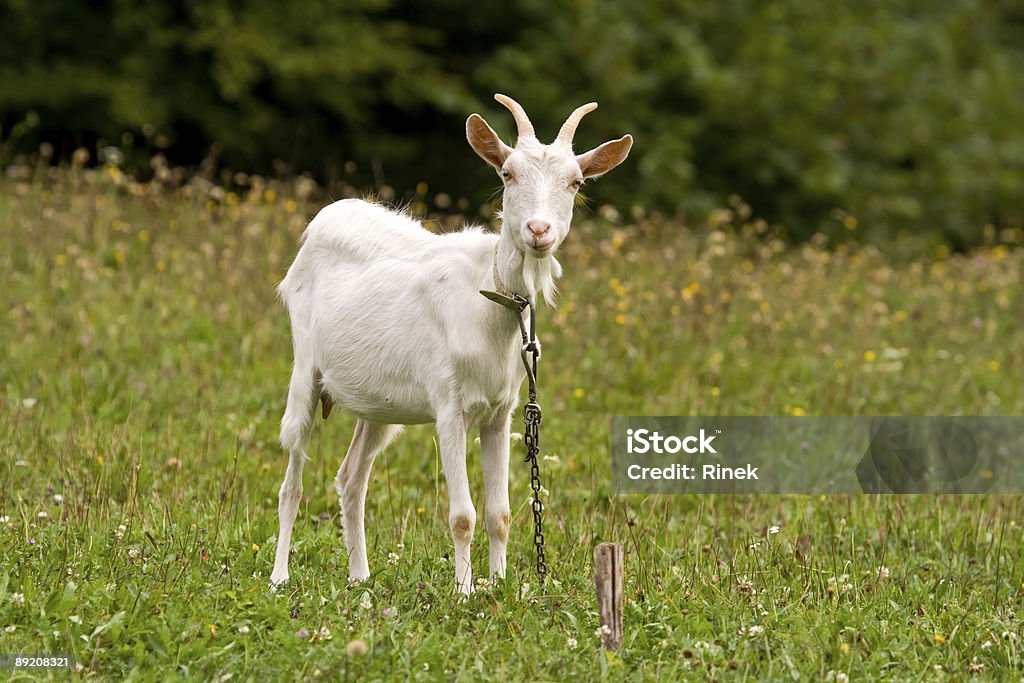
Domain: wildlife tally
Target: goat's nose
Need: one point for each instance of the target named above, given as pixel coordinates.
(537, 228)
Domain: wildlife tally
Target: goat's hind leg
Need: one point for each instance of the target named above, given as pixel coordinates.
(368, 441)
(295, 428)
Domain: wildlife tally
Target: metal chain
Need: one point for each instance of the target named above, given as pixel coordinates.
(531, 416)
(531, 413)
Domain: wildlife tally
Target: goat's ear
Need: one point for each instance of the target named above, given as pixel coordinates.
(600, 160)
(486, 142)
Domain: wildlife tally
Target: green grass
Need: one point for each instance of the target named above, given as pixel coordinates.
(144, 372)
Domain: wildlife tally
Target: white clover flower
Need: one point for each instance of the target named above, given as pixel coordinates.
(571, 643)
(366, 602)
(18, 599)
(842, 678)
(10, 629)
(42, 514)
(773, 529)
(883, 572)
(322, 633)
(243, 629)
(133, 553)
(755, 631)
(4, 519)
(393, 558)
(524, 590)
(58, 499)
(986, 645)
(603, 630)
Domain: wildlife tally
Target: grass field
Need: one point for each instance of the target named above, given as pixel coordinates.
(143, 373)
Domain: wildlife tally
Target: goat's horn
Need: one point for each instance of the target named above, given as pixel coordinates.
(568, 130)
(519, 114)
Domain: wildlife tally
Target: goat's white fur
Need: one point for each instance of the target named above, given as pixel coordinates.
(388, 323)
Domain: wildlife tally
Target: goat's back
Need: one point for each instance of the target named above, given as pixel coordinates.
(390, 314)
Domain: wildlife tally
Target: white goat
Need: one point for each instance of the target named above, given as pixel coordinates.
(388, 322)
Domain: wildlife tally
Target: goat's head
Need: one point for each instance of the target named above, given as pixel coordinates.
(541, 181)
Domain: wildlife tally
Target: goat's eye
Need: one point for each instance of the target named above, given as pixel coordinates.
(506, 174)
(576, 184)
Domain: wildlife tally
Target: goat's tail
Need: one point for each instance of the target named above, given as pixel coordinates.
(301, 271)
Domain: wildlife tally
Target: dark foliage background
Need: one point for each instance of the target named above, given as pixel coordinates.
(904, 114)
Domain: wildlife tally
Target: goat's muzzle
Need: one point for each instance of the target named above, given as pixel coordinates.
(541, 237)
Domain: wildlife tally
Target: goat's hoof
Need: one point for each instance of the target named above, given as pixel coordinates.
(276, 581)
(354, 581)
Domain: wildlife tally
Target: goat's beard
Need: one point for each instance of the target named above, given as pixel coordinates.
(540, 273)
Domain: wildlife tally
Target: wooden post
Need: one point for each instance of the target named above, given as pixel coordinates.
(608, 577)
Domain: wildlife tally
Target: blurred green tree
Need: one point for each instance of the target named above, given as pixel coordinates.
(902, 113)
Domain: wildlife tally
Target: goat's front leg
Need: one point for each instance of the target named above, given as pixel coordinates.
(451, 433)
(494, 455)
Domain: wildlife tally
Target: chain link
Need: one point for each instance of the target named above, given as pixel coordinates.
(531, 411)
(532, 416)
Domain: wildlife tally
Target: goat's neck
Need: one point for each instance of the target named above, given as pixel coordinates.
(523, 274)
